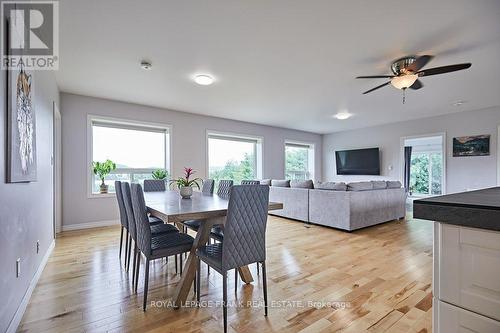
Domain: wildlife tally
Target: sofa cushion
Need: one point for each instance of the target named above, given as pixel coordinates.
(332, 186)
(265, 182)
(280, 183)
(302, 184)
(393, 184)
(379, 184)
(360, 186)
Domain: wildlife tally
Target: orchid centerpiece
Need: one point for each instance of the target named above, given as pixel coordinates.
(185, 184)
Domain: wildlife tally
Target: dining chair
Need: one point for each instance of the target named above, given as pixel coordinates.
(244, 239)
(207, 189)
(250, 182)
(161, 246)
(224, 188)
(154, 185)
(123, 218)
(156, 229)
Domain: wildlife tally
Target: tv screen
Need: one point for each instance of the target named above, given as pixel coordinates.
(358, 162)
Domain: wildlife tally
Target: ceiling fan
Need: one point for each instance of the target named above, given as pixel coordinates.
(408, 70)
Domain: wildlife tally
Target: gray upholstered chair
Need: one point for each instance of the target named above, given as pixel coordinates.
(208, 186)
(224, 188)
(244, 240)
(161, 246)
(208, 189)
(123, 218)
(156, 229)
(154, 185)
(250, 182)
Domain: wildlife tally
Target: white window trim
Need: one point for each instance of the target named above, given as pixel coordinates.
(429, 154)
(117, 121)
(402, 140)
(311, 161)
(259, 149)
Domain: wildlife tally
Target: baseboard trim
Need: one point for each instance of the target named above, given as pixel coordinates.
(18, 316)
(89, 225)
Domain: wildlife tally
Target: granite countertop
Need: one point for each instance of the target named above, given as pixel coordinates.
(475, 209)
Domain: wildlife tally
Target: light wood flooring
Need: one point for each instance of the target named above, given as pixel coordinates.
(380, 277)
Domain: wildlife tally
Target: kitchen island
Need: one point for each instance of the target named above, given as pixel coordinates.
(466, 272)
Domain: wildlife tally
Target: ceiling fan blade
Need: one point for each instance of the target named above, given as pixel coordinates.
(419, 63)
(444, 69)
(375, 77)
(377, 87)
(417, 85)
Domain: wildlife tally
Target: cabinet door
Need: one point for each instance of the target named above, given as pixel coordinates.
(456, 320)
(469, 269)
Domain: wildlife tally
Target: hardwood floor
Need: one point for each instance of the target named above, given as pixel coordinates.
(380, 278)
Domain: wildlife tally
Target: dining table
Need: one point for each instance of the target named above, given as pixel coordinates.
(210, 210)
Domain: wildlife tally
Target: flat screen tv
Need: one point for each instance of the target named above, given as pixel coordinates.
(358, 162)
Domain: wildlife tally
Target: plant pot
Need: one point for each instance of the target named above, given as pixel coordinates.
(186, 192)
(103, 189)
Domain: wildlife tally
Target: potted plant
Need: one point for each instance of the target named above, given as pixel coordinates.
(185, 185)
(160, 174)
(101, 170)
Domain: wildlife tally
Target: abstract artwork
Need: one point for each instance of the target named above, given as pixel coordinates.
(21, 126)
(478, 145)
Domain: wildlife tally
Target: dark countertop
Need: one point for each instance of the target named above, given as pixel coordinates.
(475, 209)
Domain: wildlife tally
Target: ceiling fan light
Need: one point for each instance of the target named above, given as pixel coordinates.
(404, 81)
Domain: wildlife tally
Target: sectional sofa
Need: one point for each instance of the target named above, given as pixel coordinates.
(344, 206)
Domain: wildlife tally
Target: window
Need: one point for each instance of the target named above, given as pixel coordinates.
(137, 149)
(426, 173)
(299, 161)
(234, 157)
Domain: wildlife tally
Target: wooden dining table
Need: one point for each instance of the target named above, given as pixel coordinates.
(210, 210)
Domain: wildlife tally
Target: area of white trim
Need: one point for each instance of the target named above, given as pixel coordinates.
(445, 156)
(498, 156)
(16, 320)
(88, 225)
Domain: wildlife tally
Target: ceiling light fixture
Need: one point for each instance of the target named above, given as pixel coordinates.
(404, 81)
(204, 80)
(343, 115)
(146, 65)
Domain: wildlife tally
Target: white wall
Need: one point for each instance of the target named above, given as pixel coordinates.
(26, 212)
(188, 148)
(463, 173)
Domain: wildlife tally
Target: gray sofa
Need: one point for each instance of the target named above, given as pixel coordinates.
(344, 206)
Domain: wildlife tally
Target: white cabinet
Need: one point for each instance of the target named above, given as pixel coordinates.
(453, 319)
(466, 279)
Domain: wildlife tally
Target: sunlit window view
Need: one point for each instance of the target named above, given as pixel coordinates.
(137, 151)
(426, 173)
(232, 158)
(299, 161)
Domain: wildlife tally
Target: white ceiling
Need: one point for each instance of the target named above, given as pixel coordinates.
(281, 62)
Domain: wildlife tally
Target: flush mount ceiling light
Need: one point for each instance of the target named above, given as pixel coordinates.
(203, 79)
(343, 115)
(146, 65)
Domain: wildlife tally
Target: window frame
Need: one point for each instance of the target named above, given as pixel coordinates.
(123, 123)
(310, 161)
(258, 150)
(429, 154)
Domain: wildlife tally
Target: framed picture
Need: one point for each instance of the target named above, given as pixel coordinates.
(21, 123)
(477, 145)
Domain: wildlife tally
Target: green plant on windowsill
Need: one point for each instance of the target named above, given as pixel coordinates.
(160, 174)
(101, 170)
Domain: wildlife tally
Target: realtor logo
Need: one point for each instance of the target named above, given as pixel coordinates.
(31, 37)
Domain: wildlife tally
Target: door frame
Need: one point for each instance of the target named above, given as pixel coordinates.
(57, 169)
(443, 147)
